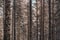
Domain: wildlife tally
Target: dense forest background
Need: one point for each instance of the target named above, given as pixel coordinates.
(29, 20)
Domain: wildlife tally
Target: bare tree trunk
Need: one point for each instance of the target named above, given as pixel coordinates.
(21, 19)
(7, 20)
(52, 27)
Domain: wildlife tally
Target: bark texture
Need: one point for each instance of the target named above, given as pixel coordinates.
(30, 20)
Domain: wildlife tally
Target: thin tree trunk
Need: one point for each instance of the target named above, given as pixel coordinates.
(7, 20)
